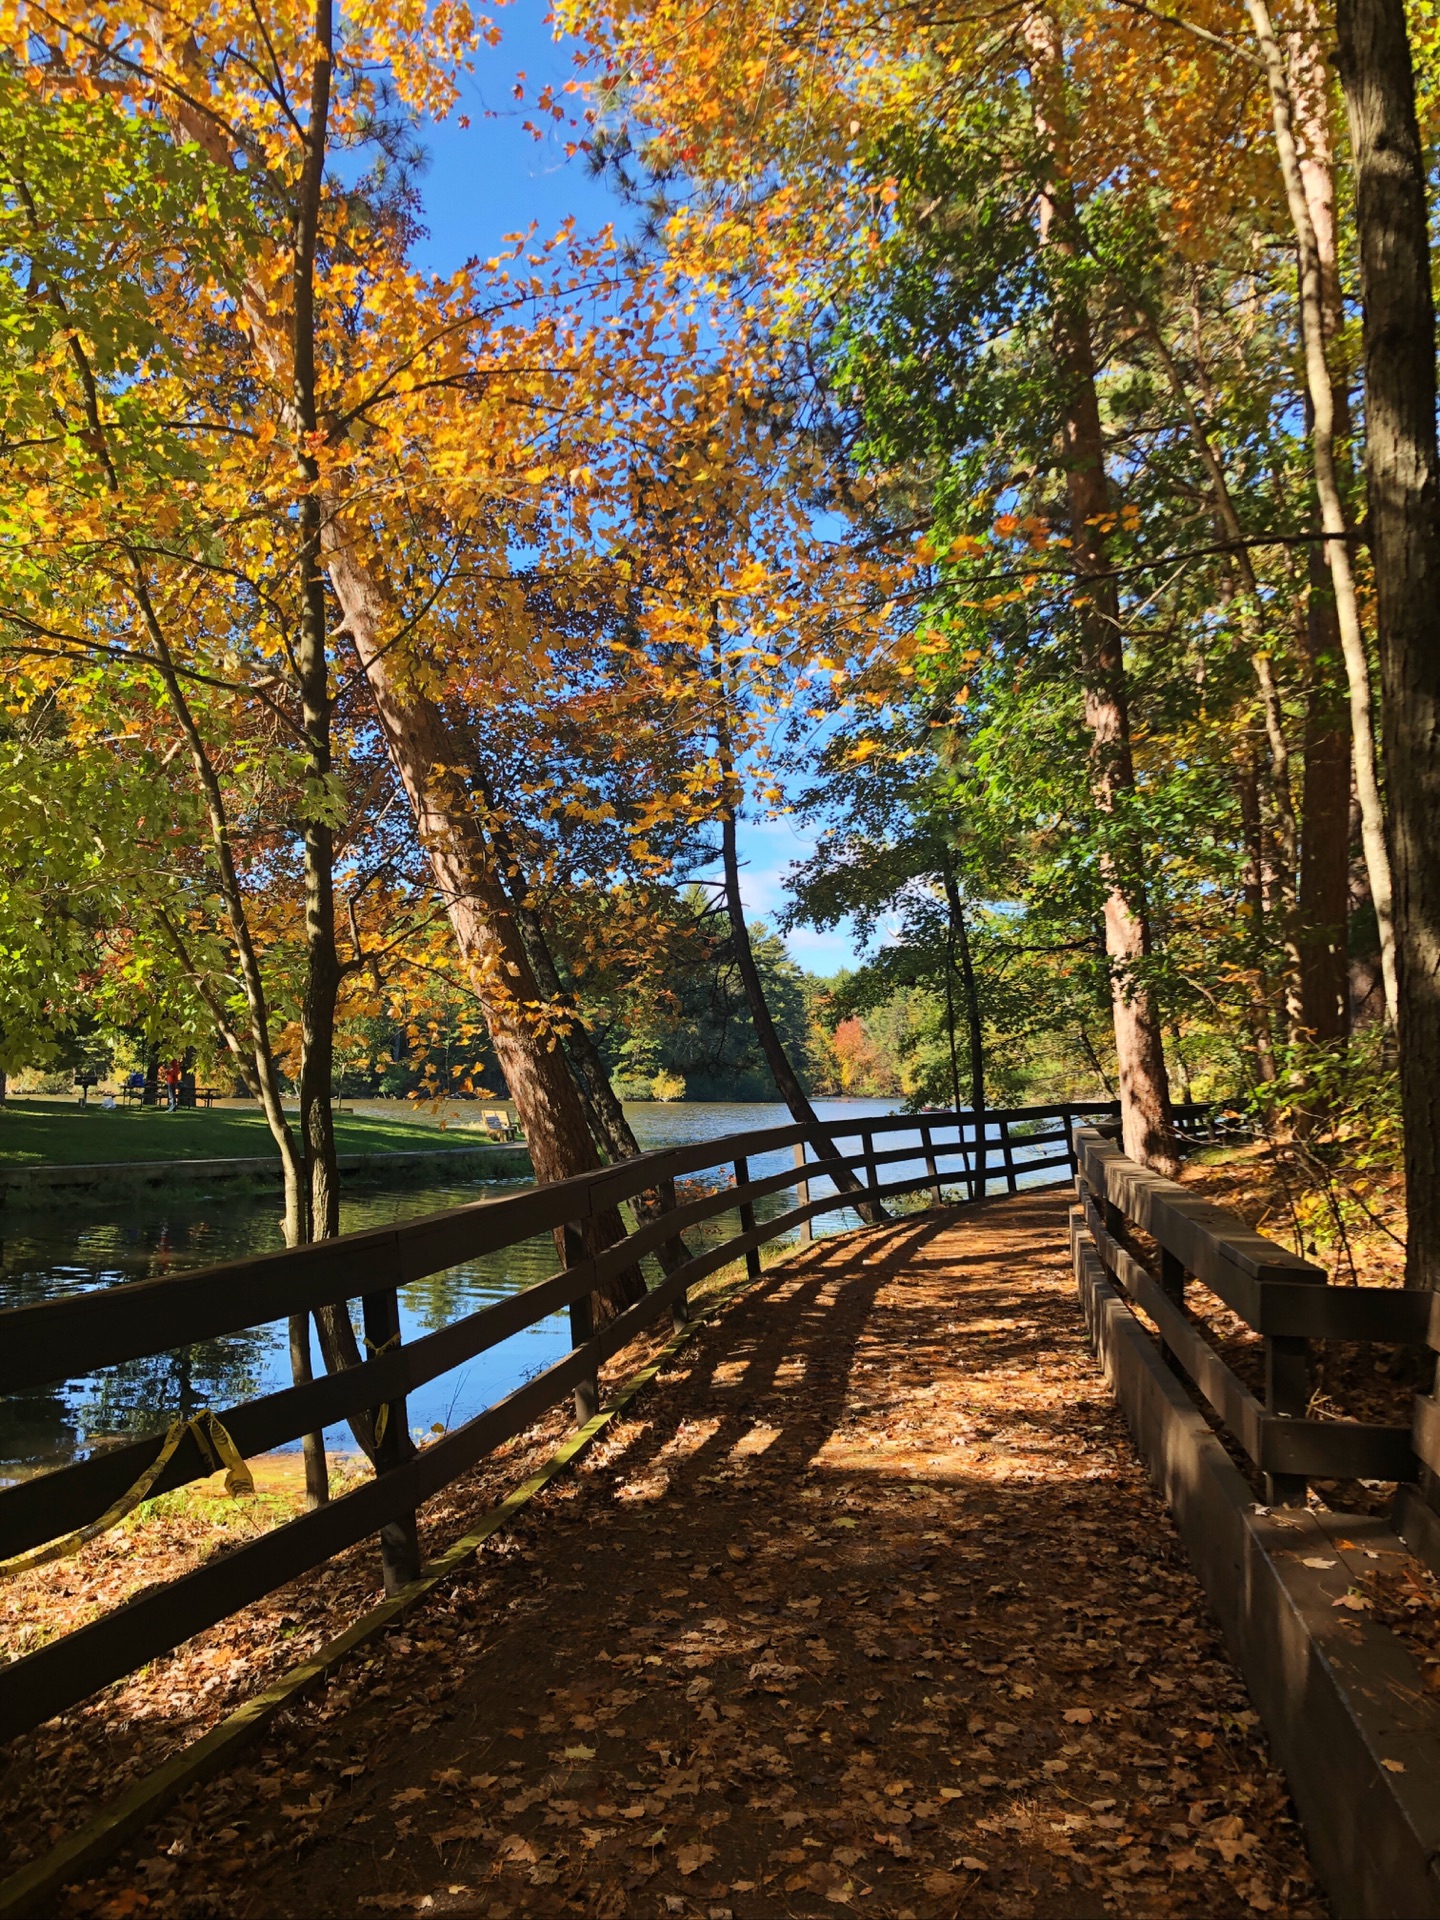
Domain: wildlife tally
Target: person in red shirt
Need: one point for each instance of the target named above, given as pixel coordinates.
(172, 1084)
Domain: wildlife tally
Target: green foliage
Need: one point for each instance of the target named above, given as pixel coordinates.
(1332, 1121)
(699, 1030)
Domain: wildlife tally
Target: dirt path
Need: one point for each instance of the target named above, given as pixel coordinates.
(869, 1606)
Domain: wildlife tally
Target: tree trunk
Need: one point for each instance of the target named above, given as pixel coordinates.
(609, 1128)
(1240, 572)
(1324, 900)
(1146, 1130)
(766, 1032)
(1403, 475)
(974, 1029)
(312, 668)
(1324, 851)
(1261, 1033)
(1327, 487)
(430, 762)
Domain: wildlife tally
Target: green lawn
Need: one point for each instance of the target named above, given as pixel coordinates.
(70, 1135)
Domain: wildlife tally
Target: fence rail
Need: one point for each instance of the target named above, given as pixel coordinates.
(44, 1342)
(1285, 1299)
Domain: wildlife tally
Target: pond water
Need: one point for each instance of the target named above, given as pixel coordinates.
(67, 1250)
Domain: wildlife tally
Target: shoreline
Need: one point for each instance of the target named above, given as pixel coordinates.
(35, 1183)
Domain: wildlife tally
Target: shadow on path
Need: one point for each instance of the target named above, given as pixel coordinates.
(868, 1607)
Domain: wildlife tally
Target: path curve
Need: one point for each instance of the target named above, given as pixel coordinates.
(867, 1607)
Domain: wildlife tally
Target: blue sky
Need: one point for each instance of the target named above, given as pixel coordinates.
(493, 179)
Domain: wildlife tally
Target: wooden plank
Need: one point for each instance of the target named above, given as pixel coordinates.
(747, 1214)
(1426, 1431)
(1288, 1387)
(1336, 1449)
(1226, 1392)
(582, 1323)
(66, 1671)
(36, 1510)
(1212, 1243)
(802, 1192)
(1388, 1314)
(1317, 1449)
(399, 1542)
(1347, 1712)
(1418, 1525)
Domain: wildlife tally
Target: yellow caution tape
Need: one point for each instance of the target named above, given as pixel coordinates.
(382, 1418)
(217, 1450)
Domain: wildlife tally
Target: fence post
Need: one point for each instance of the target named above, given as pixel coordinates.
(747, 1216)
(802, 1195)
(1067, 1121)
(1172, 1285)
(680, 1305)
(1008, 1153)
(399, 1541)
(965, 1161)
(928, 1143)
(1287, 1391)
(582, 1324)
(867, 1143)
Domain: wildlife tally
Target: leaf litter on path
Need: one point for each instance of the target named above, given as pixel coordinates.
(932, 1648)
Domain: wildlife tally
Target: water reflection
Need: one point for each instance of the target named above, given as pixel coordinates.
(45, 1254)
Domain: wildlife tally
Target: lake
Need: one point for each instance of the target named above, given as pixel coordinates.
(64, 1250)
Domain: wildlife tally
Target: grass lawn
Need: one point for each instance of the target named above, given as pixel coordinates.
(58, 1132)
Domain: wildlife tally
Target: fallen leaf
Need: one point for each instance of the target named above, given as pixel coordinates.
(462, 1830)
(691, 1859)
(407, 1796)
(1078, 1716)
(971, 1865)
(1228, 1826)
(1319, 1564)
(579, 1753)
(1393, 1766)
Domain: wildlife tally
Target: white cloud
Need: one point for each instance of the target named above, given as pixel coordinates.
(768, 849)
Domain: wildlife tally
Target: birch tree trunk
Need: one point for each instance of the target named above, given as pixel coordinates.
(1403, 474)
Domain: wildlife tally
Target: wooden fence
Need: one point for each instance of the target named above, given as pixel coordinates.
(1279, 1296)
(43, 1343)
(1350, 1715)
